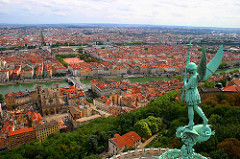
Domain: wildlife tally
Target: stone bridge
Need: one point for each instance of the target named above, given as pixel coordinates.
(77, 83)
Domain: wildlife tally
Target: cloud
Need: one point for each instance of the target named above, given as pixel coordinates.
(214, 13)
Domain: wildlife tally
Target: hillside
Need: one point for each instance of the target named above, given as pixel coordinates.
(91, 139)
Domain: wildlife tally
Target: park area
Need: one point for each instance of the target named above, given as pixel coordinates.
(73, 60)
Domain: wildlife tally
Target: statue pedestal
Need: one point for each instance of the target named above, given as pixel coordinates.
(189, 137)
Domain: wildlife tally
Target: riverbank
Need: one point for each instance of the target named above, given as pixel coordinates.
(33, 81)
(5, 89)
(228, 70)
(30, 84)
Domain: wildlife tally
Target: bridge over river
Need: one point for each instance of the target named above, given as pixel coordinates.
(77, 83)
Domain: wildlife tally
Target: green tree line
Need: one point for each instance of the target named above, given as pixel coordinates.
(42, 39)
(134, 43)
(68, 44)
(209, 51)
(86, 57)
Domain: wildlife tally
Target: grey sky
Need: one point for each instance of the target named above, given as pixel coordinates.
(208, 13)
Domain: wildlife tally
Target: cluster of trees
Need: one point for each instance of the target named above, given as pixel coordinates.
(92, 94)
(80, 50)
(209, 51)
(99, 43)
(68, 44)
(134, 43)
(98, 142)
(18, 47)
(1, 97)
(223, 65)
(147, 127)
(210, 84)
(31, 46)
(215, 43)
(59, 74)
(85, 57)
(237, 64)
(12, 48)
(91, 139)
(60, 58)
(42, 40)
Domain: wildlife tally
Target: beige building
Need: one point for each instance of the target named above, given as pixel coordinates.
(102, 103)
(4, 75)
(50, 99)
(42, 131)
(39, 71)
(49, 72)
(20, 98)
(27, 72)
(84, 115)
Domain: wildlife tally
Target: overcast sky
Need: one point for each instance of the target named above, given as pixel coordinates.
(207, 13)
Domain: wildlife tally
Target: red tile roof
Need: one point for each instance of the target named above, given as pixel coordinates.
(23, 130)
(232, 88)
(237, 82)
(127, 139)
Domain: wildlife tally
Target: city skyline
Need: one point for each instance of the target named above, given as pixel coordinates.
(212, 13)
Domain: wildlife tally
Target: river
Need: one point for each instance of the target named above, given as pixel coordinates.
(5, 89)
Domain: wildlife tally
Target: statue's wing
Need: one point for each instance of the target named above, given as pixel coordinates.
(213, 64)
(202, 65)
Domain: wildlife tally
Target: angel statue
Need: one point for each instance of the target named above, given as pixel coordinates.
(198, 73)
(191, 134)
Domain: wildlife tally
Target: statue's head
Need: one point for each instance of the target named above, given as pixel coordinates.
(191, 67)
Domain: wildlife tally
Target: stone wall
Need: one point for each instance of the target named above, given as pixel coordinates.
(146, 152)
(143, 153)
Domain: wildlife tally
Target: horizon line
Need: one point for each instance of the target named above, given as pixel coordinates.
(2, 24)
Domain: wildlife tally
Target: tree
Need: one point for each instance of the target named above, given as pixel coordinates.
(232, 116)
(93, 144)
(179, 77)
(237, 64)
(215, 119)
(219, 154)
(1, 97)
(80, 50)
(42, 39)
(231, 146)
(223, 81)
(142, 129)
(208, 84)
(99, 43)
(223, 65)
(154, 123)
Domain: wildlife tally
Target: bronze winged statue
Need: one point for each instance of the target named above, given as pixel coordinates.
(199, 73)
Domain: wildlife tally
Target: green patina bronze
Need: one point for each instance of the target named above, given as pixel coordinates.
(191, 134)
